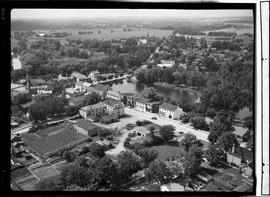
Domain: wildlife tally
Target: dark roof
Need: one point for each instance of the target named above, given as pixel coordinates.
(77, 99)
(85, 124)
(127, 94)
(101, 87)
(243, 152)
(111, 102)
(142, 100)
(168, 106)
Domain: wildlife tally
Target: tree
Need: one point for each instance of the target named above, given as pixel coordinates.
(97, 150)
(158, 172)
(147, 156)
(188, 141)
(71, 110)
(105, 174)
(128, 164)
(74, 174)
(222, 123)
(199, 122)
(215, 155)
(55, 105)
(150, 93)
(92, 98)
(38, 111)
(227, 140)
(249, 122)
(193, 160)
(167, 133)
(22, 98)
(69, 156)
(203, 43)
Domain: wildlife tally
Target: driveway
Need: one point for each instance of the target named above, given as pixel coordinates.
(120, 146)
(179, 127)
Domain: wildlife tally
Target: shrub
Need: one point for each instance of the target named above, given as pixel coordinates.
(185, 119)
(199, 123)
(104, 133)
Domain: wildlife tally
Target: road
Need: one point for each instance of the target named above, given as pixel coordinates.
(120, 146)
(179, 127)
(21, 130)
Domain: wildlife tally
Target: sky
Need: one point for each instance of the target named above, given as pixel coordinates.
(110, 13)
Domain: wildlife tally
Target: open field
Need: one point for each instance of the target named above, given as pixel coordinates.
(43, 143)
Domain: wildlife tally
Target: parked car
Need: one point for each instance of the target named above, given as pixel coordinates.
(154, 118)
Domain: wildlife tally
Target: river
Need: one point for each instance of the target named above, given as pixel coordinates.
(137, 88)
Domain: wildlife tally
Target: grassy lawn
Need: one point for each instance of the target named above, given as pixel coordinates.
(43, 143)
(167, 152)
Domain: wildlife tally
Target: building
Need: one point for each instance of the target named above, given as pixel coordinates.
(172, 187)
(78, 76)
(140, 104)
(100, 89)
(240, 155)
(170, 111)
(86, 127)
(240, 132)
(94, 75)
(82, 86)
(17, 89)
(142, 41)
(114, 106)
(166, 64)
(141, 131)
(93, 110)
(77, 101)
(114, 95)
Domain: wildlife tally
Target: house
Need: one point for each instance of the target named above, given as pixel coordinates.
(140, 104)
(86, 127)
(129, 98)
(141, 131)
(172, 187)
(100, 89)
(78, 86)
(114, 106)
(77, 101)
(170, 111)
(94, 75)
(240, 132)
(166, 64)
(78, 76)
(240, 155)
(114, 95)
(142, 41)
(93, 110)
(15, 138)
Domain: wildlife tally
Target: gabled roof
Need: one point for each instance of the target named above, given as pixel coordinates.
(85, 124)
(27, 105)
(114, 93)
(168, 106)
(86, 84)
(77, 99)
(111, 102)
(78, 75)
(142, 100)
(94, 106)
(141, 129)
(240, 131)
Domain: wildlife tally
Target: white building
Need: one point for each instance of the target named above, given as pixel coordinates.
(170, 111)
(114, 95)
(166, 64)
(94, 75)
(142, 41)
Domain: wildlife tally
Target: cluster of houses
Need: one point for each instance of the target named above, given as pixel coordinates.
(19, 155)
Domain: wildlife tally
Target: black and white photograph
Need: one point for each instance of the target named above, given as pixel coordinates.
(153, 100)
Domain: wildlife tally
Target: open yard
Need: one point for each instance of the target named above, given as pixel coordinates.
(50, 139)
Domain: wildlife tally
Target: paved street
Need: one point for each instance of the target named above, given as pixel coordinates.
(200, 134)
